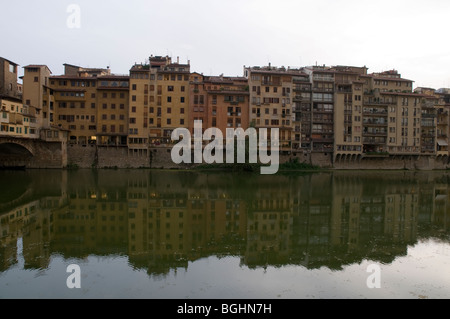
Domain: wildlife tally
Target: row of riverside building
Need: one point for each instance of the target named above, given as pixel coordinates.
(338, 110)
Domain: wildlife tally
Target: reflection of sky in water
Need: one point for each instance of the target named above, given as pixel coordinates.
(423, 273)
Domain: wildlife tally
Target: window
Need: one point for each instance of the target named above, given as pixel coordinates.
(182, 100)
(36, 79)
(134, 87)
(169, 99)
(133, 98)
(133, 109)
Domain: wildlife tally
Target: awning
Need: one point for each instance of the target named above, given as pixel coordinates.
(442, 142)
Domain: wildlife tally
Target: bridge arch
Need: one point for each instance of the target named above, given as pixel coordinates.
(13, 154)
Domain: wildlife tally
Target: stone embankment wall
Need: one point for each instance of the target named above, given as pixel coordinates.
(160, 158)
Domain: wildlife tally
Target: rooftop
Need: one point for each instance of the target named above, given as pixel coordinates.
(9, 61)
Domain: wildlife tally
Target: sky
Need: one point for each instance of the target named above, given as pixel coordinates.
(221, 37)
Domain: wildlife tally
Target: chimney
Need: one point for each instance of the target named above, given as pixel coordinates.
(178, 60)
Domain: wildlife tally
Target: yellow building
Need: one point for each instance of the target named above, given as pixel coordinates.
(92, 104)
(169, 98)
(35, 83)
(112, 111)
(139, 100)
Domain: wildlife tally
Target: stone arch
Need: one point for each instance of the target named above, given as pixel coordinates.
(26, 144)
(14, 154)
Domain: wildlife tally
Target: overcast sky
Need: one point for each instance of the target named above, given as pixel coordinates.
(223, 36)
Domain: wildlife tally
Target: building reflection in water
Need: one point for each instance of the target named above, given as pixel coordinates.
(163, 220)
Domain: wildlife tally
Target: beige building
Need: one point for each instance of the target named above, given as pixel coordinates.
(92, 104)
(378, 115)
(8, 79)
(112, 112)
(272, 102)
(17, 120)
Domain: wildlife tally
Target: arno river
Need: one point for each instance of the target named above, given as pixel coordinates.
(188, 235)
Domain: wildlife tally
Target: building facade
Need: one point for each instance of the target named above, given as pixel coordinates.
(332, 111)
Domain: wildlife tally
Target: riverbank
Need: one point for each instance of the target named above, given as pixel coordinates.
(160, 158)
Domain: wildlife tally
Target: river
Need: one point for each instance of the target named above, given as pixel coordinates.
(194, 235)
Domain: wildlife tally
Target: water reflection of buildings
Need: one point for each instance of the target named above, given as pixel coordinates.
(163, 220)
(26, 217)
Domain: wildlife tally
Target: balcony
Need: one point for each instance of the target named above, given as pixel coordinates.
(301, 89)
(344, 90)
(428, 124)
(376, 133)
(319, 78)
(300, 79)
(371, 112)
(379, 102)
(323, 140)
(375, 123)
(374, 141)
(428, 134)
(428, 149)
(318, 89)
(323, 121)
(428, 104)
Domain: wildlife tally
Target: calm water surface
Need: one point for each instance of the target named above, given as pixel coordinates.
(191, 235)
